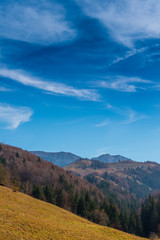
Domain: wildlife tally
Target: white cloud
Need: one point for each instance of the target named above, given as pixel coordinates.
(14, 116)
(48, 86)
(133, 116)
(4, 89)
(122, 83)
(42, 23)
(103, 123)
(126, 116)
(129, 114)
(128, 54)
(126, 20)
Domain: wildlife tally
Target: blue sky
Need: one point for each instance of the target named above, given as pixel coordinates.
(81, 76)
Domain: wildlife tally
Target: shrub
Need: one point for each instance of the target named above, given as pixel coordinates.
(15, 188)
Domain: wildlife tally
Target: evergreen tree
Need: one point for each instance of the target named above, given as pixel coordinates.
(17, 154)
(3, 160)
(87, 201)
(37, 192)
(124, 221)
(139, 228)
(105, 206)
(81, 207)
(74, 203)
(132, 222)
(49, 194)
(59, 198)
(149, 216)
(158, 209)
(112, 212)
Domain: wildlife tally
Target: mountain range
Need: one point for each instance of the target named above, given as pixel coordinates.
(63, 159)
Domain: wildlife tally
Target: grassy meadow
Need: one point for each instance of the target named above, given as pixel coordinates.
(25, 218)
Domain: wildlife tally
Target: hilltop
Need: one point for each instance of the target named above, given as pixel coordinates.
(24, 217)
(108, 158)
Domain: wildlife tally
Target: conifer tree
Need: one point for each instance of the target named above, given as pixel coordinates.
(49, 194)
(37, 192)
(81, 208)
(59, 198)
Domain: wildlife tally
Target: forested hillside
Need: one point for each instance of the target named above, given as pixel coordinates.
(30, 174)
(99, 202)
(136, 179)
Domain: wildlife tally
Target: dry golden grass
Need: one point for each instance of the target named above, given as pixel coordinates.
(25, 218)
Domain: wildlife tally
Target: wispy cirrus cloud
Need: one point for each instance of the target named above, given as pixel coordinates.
(123, 83)
(130, 115)
(43, 23)
(103, 123)
(129, 54)
(126, 21)
(11, 117)
(126, 116)
(49, 86)
(5, 89)
(133, 116)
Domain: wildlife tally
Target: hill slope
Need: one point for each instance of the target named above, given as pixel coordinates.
(59, 158)
(41, 179)
(137, 178)
(23, 217)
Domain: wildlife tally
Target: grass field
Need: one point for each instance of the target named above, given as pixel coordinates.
(23, 217)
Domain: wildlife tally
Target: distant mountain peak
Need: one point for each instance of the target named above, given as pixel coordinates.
(59, 158)
(107, 158)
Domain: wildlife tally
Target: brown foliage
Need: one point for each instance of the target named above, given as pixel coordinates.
(24, 169)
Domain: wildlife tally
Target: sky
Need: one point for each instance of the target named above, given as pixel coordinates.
(81, 76)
